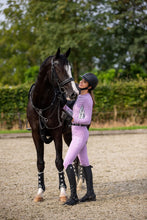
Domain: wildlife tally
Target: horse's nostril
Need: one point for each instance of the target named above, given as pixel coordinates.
(73, 95)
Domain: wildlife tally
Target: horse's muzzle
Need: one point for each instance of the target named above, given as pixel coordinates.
(73, 96)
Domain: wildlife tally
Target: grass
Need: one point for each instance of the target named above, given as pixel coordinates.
(91, 129)
(119, 128)
(13, 131)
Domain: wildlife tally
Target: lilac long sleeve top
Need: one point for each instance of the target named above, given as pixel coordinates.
(82, 110)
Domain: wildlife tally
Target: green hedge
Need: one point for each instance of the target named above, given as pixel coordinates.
(13, 102)
(116, 101)
(120, 100)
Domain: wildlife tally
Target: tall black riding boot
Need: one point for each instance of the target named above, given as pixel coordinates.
(73, 200)
(90, 195)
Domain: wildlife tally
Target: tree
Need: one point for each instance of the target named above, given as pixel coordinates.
(33, 30)
(17, 49)
(109, 34)
(31, 74)
(125, 38)
(67, 24)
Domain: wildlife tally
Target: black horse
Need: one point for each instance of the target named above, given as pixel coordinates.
(44, 113)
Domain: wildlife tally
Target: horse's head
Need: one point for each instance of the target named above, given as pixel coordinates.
(61, 75)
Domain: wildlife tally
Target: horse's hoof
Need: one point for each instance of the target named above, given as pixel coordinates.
(38, 199)
(63, 198)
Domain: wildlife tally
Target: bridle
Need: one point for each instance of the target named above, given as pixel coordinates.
(58, 91)
(54, 76)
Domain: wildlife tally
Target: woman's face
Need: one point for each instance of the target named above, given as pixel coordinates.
(83, 84)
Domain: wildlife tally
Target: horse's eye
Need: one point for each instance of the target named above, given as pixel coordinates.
(56, 62)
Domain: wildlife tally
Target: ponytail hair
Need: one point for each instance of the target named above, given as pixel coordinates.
(92, 96)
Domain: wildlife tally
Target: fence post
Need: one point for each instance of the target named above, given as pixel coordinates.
(115, 112)
(20, 122)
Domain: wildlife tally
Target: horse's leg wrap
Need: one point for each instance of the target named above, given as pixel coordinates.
(62, 180)
(41, 180)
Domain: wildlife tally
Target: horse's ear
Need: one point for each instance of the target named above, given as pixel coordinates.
(57, 53)
(67, 52)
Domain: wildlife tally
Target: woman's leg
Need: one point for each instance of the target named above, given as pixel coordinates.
(83, 156)
(90, 195)
(73, 200)
(74, 149)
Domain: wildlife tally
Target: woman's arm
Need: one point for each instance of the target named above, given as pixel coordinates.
(68, 110)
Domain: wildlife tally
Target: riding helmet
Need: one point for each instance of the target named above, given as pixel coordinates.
(91, 79)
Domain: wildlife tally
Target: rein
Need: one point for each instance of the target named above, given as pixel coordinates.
(39, 111)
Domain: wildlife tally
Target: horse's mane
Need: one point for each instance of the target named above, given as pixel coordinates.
(44, 62)
(42, 70)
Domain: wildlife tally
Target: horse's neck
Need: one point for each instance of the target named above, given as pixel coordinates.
(43, 94)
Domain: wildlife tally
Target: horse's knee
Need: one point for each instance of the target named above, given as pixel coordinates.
(40, 166)
(59, 164)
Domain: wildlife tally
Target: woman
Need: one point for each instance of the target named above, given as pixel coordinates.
(81, 114)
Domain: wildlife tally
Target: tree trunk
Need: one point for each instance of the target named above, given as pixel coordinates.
(75, 67)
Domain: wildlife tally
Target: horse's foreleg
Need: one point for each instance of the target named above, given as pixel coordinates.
(40, 165)
(62, 187)
(62, 184)
(41, 187)
(59, 165)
